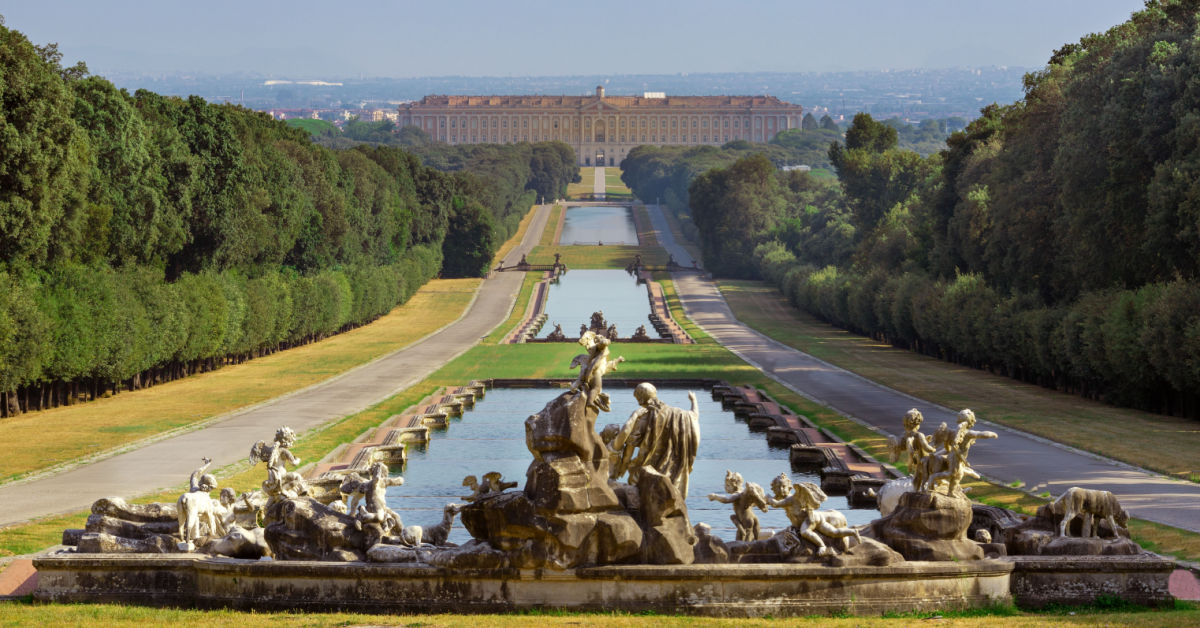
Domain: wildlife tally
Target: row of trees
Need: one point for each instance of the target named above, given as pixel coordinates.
(144, 237)
(1056, 239)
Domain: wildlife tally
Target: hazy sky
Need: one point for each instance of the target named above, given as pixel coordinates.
(299, 38)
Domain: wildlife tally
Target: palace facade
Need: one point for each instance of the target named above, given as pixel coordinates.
(602, 129)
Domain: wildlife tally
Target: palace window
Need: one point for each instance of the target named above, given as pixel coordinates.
(622, 139)
(704, 123)
(454, 124)
(643, 137)
(694, 137)
(705, 138)
(474, 123)
(443, 124)
(673, 122)
(525, 123)
(693, 125)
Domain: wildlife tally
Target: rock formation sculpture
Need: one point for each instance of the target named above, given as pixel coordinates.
(745, 497)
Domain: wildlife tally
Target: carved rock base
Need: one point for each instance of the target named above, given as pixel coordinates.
(929, 526)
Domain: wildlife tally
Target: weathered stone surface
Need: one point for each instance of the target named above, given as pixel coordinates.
(386, 553)
(470, 555)
(709, 549)
(569, 472)
(867, 552)
(239, 542)
(102, 543)
(1040, 580)
(929, 526)
(302, 528)
(130, 529)
(118, 508)
(568, 485)
(995, 520)
(1039, 535)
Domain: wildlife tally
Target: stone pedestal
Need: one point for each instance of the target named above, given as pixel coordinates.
(929, 526)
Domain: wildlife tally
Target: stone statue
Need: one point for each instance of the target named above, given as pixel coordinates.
(664, 438)
(611, 333)
(1091, 506)
(198, 516)
(957, 449)
(745, 498)
(557, 335)
(374, 508)
(640, 334)
(279, 482)
(800, 502)
(598, 323)
(912, 442)
(583, 329)
(593, 366)
(492, 483)
(354, 489)
(935, 462)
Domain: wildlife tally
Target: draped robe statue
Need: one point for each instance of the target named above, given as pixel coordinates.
(658, 436)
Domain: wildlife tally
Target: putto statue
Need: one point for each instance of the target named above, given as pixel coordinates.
(492, 482)
(593, 366)
(745, 497)
(557, 335)
(664, 438)
(912, 444)
(956, 450)
(373, 509)
(640, 334)
(800, 502)
(598, 324)
(280, 481)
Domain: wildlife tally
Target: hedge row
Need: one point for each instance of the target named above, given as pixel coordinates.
(1137, 347)
(76, 331)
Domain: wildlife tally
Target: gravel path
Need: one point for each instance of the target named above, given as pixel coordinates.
(1041, 464)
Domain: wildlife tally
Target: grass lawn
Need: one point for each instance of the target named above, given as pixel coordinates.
(518, 311)
(70, 433)
(613, 183)
(550, 233)
(26, 614)
(1165, 444)
(587, 183)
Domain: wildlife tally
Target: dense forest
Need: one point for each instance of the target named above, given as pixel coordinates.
(144, 238)
(1055, 240)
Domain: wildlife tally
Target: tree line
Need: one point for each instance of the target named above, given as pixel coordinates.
(1055, 240)
(144, 238)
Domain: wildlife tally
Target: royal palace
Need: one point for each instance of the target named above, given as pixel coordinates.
(602, 129)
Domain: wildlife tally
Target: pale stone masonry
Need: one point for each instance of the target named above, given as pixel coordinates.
(602, 129)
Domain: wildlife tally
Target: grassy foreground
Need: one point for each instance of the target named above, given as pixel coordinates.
(70, 433)
(24, 613)
(1161, 443)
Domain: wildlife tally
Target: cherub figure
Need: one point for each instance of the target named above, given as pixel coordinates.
(935, 462)
(374, 508)
(957, 450)
(280, 481)
(196, 508)
(913, 443)
(593, 367)
(745, 498)
(800, 502)
(492, 483)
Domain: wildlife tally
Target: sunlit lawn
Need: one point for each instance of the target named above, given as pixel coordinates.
(1166, 444)
(26, 614)
(586, 184)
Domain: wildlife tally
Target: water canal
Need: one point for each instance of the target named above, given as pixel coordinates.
(492, 438)
(607, 224)
(572, 299)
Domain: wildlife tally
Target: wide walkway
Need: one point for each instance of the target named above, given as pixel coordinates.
(600, 184)
(168, 462)
(1041, 464)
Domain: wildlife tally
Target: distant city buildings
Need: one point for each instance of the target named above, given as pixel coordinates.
(602, 129)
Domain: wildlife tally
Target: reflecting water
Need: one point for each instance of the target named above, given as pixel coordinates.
(578, 293)
(606, 224)
(492, 438)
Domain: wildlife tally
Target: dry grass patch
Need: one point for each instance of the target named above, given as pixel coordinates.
(1161, 443)
(587, 183)
(516, 238)
(70, 433)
